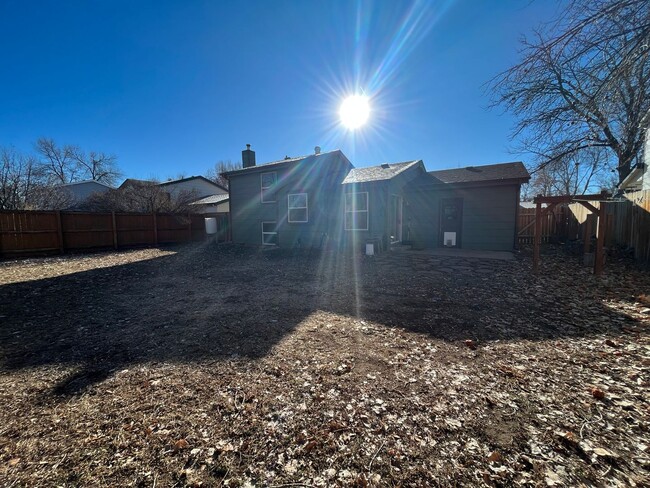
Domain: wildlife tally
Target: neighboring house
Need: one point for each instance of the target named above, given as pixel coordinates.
(134, 183)
(639, 176)
(638, 179)
(80, 191)
(198, 186)
(208, 196)
(311, 200)
(213, 204)
(531, 205)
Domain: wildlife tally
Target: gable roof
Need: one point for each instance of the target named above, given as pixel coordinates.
(189, 178)
(92, 182)
(318, 158)
(212, 199)
(381, 172)
(475, 174)
(136, 182)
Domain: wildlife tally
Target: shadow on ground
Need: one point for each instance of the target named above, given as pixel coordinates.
(219, 302)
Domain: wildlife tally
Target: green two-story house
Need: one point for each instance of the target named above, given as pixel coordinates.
(321, 200)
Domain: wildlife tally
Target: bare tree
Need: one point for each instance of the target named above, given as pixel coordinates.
(143, 197)
(49, 197)
(583, 83)
(220, 167)
(68, 163)
(580, 173)
(58, 162)
(18, 179)
(97, 166)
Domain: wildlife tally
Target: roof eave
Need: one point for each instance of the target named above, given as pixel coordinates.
(636, 172)
(467, 184)
(275, 164)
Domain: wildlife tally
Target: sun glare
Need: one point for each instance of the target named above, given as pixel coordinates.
(354, 111)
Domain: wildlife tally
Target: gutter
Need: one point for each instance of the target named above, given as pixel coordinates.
(637, 171)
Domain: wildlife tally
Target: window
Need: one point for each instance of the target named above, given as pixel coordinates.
(356, 211)
(269, 234)
(268, 182)
(298, 211)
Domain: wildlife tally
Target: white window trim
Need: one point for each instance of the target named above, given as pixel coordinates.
(262, 187)
(268, 233)
(366, 211)
(290, 208)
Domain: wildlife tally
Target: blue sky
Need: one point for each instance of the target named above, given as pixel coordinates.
(171, 87)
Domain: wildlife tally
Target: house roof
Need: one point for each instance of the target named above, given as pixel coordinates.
(274, 164)
(634, 179)
(212, 200)
(136, 182)
(384, 171)
(490, 172)
(86, 182)
(531, 205)
(189, 178)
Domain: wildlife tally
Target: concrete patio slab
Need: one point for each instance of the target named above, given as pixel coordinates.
(460, 253)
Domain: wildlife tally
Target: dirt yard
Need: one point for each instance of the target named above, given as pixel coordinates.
(214, 365)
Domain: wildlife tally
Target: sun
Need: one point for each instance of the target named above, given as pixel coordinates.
(354, 111)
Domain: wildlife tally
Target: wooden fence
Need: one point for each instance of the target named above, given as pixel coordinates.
(526, 227)
(627, 224)
(24, 233)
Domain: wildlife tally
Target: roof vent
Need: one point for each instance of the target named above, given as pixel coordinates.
(286, 157)
(317, 150)
(385, 165)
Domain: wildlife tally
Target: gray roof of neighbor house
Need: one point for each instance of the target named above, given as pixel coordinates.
(85, 182)
(136, 182)
(212, 199)
(181, 180)
(531, 205)
(475, 174)
(384, 171)
(273, 164)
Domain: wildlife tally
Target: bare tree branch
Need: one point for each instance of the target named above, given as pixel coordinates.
(583, 83)
(215, 173)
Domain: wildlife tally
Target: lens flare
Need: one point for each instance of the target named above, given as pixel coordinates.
(354, 111)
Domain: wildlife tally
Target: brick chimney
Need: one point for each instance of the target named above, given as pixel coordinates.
(248, 157)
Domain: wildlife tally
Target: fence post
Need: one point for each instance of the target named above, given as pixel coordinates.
(587, 243)
(599, 259)
(59, 228)
(114, 230)
(155, 229)
(537, 237)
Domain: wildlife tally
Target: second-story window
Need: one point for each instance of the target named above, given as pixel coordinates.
(268, 182)
(298, 211)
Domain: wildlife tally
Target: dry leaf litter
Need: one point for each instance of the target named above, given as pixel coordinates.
(215, 365)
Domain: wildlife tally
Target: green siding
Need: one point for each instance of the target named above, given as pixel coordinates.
(376, 214)
(489, 212)
(379, 193)
(321, 182)
(489, 216)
